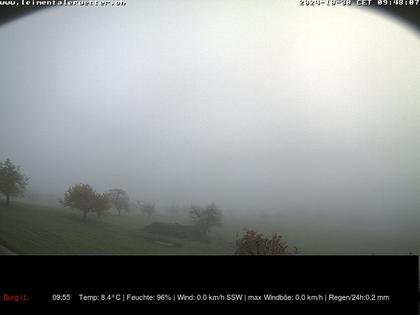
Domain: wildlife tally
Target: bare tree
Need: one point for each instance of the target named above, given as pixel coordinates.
(206, 217)
(119, 199)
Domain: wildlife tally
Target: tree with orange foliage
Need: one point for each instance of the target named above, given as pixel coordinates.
(254, 243)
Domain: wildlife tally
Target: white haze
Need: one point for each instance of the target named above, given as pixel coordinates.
(255, 105)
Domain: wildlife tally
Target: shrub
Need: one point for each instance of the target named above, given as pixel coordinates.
(254, 243)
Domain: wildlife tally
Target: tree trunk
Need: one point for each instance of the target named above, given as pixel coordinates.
(7, 199)
(119, 212)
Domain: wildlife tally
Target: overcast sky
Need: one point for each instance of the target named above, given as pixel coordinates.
(250, 104)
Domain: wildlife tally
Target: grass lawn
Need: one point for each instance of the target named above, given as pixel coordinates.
(35, 229)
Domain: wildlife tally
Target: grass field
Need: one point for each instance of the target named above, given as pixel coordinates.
(37, 229)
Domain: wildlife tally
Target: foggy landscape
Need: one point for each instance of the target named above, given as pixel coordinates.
(258, 115)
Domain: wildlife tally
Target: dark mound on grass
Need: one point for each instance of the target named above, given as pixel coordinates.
(188, 232)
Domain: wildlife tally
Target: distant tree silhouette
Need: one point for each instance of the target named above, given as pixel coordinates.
(12, 181)
(101, 204)
(206, 217)
(146, 208)
(119, 199)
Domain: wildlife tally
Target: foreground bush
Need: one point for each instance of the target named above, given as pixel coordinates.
(254, 243)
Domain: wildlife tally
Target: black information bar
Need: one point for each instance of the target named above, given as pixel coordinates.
(366, 283)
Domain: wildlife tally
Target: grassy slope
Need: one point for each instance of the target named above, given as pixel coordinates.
(34, 229)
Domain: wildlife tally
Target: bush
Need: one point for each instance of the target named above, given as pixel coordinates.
(254, 243)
